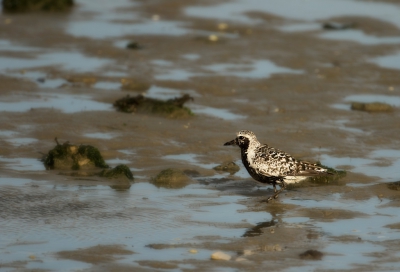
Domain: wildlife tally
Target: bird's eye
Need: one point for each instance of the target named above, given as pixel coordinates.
(241, 138)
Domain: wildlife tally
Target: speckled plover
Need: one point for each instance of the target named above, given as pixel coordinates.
(268, 165)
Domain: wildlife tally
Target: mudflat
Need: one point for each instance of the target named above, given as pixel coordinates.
(270, 68)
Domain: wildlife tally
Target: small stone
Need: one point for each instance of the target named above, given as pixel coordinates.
(133, 45)
(171, 178)
(219, 255)
(247, 252)
(311, 254)
(371, 107)
(213, 38)
(277, 247)
(241, 259)
(222, 26)
(193, 251)
(119, 172)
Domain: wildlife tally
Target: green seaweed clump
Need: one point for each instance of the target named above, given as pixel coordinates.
(333, 178)
(371, 107)
(134, 45)
(311, 254)
(171, 178)
(172, 108)
(229, 167)
(68, 156)
(120, 171)
(36, 5)
(394, 185)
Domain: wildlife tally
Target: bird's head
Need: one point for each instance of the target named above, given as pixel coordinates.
(243, 139)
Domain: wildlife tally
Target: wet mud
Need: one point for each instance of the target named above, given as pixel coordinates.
(247, 65)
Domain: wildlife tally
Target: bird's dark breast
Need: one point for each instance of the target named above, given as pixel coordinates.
(254, 174)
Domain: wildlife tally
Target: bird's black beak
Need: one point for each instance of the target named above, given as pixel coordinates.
(233, 142)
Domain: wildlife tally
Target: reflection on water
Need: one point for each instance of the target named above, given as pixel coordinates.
(70, 61)
(301, 10)
(190, 158)
(65, 103)
(119, 18)
(102, 30)
(368, 98)
(366, 230)
(23, 164)
(300, 27)
(191, 56)
(163, 93)
(256, 69)
(390, 61)
(216, 112)
(58, 217)
(21, 141)
(107, 85)
(100, 135)
(359, 36)
(369, 166)
(258, 229)
(6, 45)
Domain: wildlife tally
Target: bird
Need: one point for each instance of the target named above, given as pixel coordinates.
(269, 165)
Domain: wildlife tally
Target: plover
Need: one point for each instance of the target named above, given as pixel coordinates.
(269, 165)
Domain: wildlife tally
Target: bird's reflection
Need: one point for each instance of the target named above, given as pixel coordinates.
(258, 229)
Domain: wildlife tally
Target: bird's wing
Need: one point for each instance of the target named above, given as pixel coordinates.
(274, 162)
(310, 169)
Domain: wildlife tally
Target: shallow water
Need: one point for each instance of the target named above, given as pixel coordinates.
(57, 215)
(65, 60)
(63, 102)
(359, 36)
(390, 61)
(256, 69)
(308, 11)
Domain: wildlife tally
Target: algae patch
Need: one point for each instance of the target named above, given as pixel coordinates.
(229, 167)
(120, 171)
(73, 157)
(171, 178)
(333, 178)
(172, 108)
(67, 156)
(394, 185)
(36, 5)
(371, 107)
(311, 254)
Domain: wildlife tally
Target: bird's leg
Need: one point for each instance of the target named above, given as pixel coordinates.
(276, 193)
(271, 197)
(283, 186)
